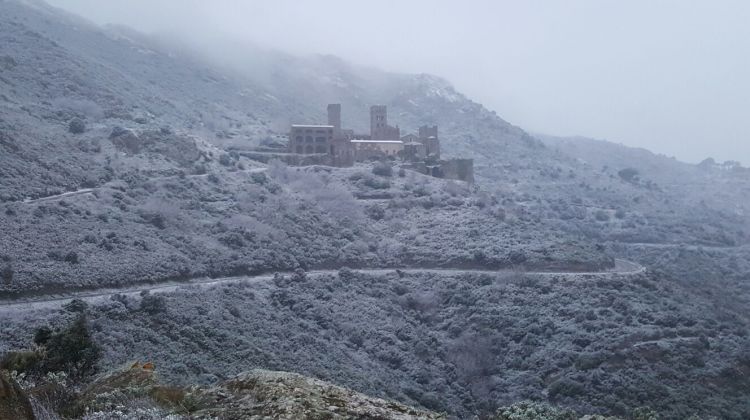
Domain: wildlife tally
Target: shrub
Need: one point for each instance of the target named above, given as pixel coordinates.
(153, 304)
(200, 169)
(382, 169)
(628, 174)
(42, 335)
(565, 387)
(7, 273)
(259, 178)
(21, 361)
(225, 160)
(601, 216)
(156, 219)
(76, 305)
(377, 183)
(76, 126)
(72, 351)
(375, 212)
(401, 172)
(71, 257)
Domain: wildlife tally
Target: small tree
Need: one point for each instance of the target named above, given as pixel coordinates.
(72, 350)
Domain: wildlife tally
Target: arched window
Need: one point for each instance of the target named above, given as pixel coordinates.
(309, 139)
(320, 139)
(309, 149)
(320, 149)
(299, 139)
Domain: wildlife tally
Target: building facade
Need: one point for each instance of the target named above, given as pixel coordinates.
(311, 139)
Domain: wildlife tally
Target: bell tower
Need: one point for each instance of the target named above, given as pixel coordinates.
(378, 122)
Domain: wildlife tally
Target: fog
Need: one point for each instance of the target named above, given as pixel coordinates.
(670, 76)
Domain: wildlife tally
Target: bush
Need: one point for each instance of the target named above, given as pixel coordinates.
(76, 126)
(7, 273)
(42, 335)
(71, 257)
(382, 169)
(565, 387)
(601, 216)
(225, 160)
(628, 174)
(377, 183)
(375, 212)
(259, 178)
(153, 304)
(76, 305)
(72, 351)
(21, 361)
(156, 219)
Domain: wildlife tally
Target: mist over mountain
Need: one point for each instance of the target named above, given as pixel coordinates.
(151, 211)
(668, 77)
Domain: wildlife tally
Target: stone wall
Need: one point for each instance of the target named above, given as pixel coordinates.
(458, 169)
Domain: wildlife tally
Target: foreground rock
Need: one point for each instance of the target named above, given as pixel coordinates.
(281, 395)
(257, 394)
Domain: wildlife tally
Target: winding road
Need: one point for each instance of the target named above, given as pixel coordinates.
(622, 267)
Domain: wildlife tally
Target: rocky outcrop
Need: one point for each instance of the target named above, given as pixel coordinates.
(14, 403)
(282, 395)
(257, 394)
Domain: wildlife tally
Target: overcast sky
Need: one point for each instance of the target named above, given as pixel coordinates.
(672, 76)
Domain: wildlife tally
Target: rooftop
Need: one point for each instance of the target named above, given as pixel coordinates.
(311, 126)
(377, 141)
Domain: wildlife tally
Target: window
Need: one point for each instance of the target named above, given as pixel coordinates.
(309, 149)
(299, 139)
(299, 149)
(320, 149)
(309, 139)
(320, 139)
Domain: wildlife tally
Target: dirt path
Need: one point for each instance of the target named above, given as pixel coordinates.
(621, 267)
(84, 191)
(58, 196)
(690, 247)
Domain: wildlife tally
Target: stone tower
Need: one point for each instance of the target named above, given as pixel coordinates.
(334, 118)
(428, 135)
(378, 122)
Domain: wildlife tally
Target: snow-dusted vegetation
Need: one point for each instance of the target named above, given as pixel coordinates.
(456, 343)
